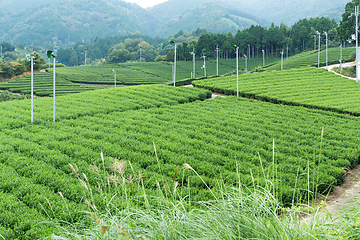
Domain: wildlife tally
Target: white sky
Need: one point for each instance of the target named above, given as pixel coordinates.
(146, 3)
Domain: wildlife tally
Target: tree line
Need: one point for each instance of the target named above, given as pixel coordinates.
(251, 41)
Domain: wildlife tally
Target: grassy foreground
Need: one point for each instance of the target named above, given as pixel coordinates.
(240, 213)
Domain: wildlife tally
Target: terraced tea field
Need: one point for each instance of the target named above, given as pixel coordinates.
(310, 59)
(310, 87)
(154, 130)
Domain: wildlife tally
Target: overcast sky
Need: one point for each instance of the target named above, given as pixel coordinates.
(146, 3)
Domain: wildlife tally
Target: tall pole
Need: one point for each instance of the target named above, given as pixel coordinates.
(282, 59)
(193, 54)
(357, 50)
(263, 52)
(54, 90)
(245, 63)
(319, 49)
(204, 66)
(340, 58)
(326, 42)
(237, 71)
(217, 60)
(172, 69)
(249, 55)
(115, 77)
(175, 66)
(32, 89)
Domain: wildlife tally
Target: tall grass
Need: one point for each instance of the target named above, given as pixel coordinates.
(237, 211)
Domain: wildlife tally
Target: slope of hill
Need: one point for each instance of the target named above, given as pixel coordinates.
(277, 11)
(62, 23)
(65, 22)
(213, 17)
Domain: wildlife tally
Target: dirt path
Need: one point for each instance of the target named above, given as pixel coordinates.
(349, 64)
(344, 196)
(214, 94)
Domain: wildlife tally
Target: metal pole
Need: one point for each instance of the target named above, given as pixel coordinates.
(54, 89)
(193, 54)
(282, 59)
(237, 71)
(172, 69)
(326, 42)
(340, 58)
(32, 89)
(356, 32)
(245, 63)
(319, 50)
(204, 66)
(217, 60)
(175, 66)
(263, 58)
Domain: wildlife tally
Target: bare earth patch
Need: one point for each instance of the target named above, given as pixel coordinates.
(342, 197)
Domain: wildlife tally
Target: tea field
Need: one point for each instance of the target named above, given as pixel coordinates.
(310, 58)
(68, 79)
(52, 172)
(310, 87)
(43, 85)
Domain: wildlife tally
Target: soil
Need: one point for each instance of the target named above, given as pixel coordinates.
(343, 197)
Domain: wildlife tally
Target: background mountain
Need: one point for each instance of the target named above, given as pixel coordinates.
(64, 22)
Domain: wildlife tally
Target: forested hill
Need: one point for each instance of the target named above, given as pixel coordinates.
(277, 11)
(65, 22)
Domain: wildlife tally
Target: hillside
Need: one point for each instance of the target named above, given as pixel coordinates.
(276, 11)
(62, 23)
(66, 22)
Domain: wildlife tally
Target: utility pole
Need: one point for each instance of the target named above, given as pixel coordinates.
(31, 58)
(340, 58)
(193, 54)
(282, 59)
(263, 52)
(204, 66)
(172, 69)
(115, 76)
(140, 53)
(357, 49)
(217, 60)
(174, 75)
(237, 71)
(245, 63)
(326, 49)
(319, 49)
